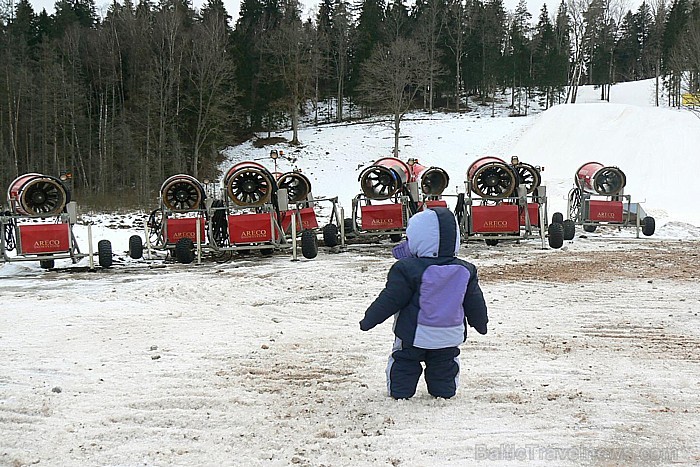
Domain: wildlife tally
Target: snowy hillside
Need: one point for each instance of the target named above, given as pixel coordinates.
(657, 148)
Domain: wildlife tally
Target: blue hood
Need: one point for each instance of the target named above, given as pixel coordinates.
(433, 233)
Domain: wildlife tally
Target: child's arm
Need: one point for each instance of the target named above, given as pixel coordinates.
(396, 295)
(475, 306)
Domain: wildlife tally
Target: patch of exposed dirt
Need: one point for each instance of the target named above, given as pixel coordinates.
(666, 260)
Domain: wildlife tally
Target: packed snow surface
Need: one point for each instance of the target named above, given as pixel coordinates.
(591, 357)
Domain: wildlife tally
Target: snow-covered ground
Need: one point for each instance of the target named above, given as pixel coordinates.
(591, 356)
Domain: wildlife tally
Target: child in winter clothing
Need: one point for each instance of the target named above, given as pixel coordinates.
(433, 296)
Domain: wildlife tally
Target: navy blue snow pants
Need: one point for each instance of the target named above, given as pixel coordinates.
(404, 370)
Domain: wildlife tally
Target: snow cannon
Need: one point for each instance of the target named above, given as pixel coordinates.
(596, 179)
(249, 184)
(182, 193)
(432, 180)
(39, 224)
(35, 194)
(385, 178)
(504, 201)
(297, 185)
(598, 199)
(528, 175)
(492, 178)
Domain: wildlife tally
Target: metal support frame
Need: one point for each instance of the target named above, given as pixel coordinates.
(522, 200)
(357, 204)
(73, 253)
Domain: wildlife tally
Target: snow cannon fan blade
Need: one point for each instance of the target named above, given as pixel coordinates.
(434, 181)
(384, 178)
(37, 195)
(609, 181)
(182, 193)
(249, 184)
(491, 178)
(528, 175)
(297, 185)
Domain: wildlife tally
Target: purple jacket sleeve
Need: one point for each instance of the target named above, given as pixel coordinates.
(396, 295)
(475, 306)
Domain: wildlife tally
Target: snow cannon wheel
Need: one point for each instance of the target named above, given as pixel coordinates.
(491, 241)
(46, 263)
(648, 226)
(184, 251)
(569, 229)
(135, 247)
(104, 253)
(309, 244)
(590, 228)
(330, 235)
(556, 235)
(557, 218)
(396, 238)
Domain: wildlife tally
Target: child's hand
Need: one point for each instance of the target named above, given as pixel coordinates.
(364, 326)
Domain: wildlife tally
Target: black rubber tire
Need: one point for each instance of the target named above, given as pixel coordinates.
(184, 251)
(491, 241)
(309, 244)
(648, 226)
(557, 218)
(349, 226)
(556, 235)
(330, 235)
(396, 238)
(569, 229)
(104, 253)
(590, 228)
(135, 247)
(46, 263)
(267, 252)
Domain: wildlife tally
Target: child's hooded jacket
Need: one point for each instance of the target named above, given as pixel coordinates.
(434, 293)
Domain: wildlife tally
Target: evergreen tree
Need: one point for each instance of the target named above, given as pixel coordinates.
(518, 53)
(644, 25)
(258, 90)
(368, 34)
(627, 50)
(562, 34)
(545, 56)
(672, 56)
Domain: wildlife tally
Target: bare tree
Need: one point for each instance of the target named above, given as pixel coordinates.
(391, 77)
(431, 22)
(577, 10)
(209, 71)
(340, 44)
(455, 20)
(289, 47)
